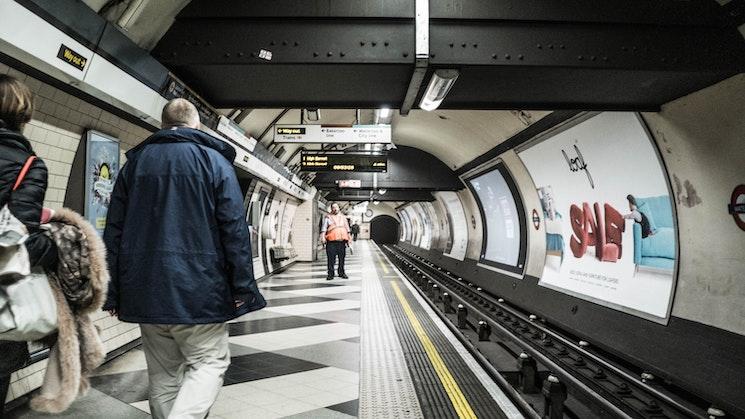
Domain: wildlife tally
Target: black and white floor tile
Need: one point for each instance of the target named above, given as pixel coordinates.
(298, 358)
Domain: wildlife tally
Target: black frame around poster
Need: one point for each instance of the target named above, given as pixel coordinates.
(518, 269)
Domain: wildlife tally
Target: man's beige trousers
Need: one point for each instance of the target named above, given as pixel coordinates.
(186, 365)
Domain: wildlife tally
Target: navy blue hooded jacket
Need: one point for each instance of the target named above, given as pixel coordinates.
(177, 239)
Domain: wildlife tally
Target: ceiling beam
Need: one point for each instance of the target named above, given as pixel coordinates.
(421, 59)
(511, 54)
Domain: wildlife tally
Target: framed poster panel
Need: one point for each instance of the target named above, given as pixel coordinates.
(101, 170)
(505, 237)
(457, 225)
(611, 229)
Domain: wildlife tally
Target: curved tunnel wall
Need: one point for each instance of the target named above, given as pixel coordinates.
(703, 154)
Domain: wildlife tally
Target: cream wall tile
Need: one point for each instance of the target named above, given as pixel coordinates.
(55, 133)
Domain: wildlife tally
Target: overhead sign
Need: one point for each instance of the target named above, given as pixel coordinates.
(175, 88)
(350, 183)
(71, 57)
(342, 162)
(356, 134)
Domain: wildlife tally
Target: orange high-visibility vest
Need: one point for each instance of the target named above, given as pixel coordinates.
(337, 231)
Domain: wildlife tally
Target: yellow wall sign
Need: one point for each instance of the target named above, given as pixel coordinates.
(71, 57)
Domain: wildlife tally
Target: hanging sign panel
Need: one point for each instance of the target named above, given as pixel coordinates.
(347, 162)
(350, 183)
(610, 224)
(356, 134)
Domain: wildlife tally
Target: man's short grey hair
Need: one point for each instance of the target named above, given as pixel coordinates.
(180, 113)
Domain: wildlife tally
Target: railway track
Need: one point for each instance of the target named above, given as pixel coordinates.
(547, 372)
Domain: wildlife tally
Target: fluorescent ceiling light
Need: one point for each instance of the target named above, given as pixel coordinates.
(383, 115)
(313, 114)
(439, 86)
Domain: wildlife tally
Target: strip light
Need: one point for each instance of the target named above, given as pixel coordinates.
(439, 86)
(383, 116)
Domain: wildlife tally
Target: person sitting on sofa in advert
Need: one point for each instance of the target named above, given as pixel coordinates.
(654, 231)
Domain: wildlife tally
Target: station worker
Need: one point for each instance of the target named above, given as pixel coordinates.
(180, 258)
(335, 235)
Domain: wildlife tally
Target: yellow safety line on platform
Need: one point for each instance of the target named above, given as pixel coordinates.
(383, 265)
(457, 398)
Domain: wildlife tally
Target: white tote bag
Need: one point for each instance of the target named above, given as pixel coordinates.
(14, 262)
(28, 310)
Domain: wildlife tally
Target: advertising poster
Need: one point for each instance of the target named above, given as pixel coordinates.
(425, 241)
(101, 170)
(610, 224)
(434, 227)
(254, 220)
(416, 231)
(457, 223)
(288, 218)
(405, 226)
(504, 235)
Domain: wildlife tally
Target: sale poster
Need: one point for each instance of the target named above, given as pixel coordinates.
(609, 218)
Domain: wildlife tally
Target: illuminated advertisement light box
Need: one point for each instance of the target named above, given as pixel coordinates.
(611, 230)
(348, 162)
(319, 134)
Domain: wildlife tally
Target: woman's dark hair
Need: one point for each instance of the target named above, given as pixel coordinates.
(16, 103)
(631, 199)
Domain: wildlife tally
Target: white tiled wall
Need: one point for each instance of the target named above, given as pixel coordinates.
(302, 232)
(55, 132)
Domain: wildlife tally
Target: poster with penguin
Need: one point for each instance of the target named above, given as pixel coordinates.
(101, 170)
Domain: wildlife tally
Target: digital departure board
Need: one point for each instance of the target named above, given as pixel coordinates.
(342, 162)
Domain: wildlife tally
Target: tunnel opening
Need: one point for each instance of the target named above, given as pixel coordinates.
(384, 229)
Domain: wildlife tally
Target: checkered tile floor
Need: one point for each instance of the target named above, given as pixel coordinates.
(299, 357)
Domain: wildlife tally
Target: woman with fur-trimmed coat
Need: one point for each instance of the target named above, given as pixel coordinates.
(25, 203)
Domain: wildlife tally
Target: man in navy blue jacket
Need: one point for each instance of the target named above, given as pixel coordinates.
(180, 259)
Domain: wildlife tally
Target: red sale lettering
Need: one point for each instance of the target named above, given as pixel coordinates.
(601, 229)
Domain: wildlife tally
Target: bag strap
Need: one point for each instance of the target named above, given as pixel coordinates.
(24, 171)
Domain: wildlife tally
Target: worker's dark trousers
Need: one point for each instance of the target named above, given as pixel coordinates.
(334, 249)
(4, 386)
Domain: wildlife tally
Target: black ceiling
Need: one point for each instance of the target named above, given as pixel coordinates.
(574, 54)
(409, 169)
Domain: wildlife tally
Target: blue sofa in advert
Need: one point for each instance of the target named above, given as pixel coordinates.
(657, 250)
